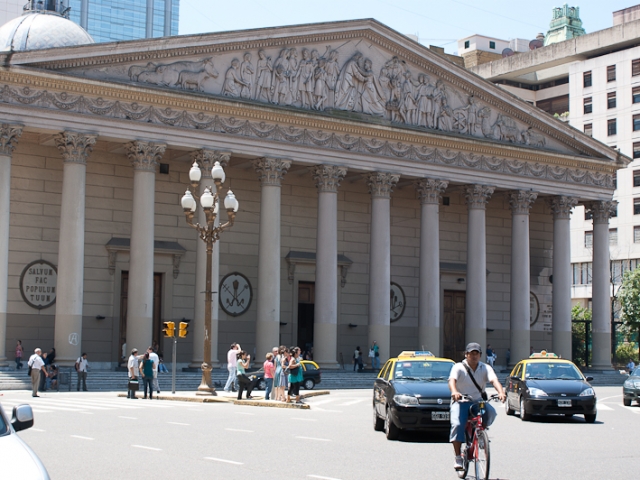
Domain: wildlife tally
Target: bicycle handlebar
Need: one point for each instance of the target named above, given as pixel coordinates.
(468, 398)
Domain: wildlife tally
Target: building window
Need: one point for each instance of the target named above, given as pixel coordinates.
(492, 45)
(614, 214)
(587, 105)
(636, 123)
(611, 73)
(635, 67)
(586, 79)
(588, 239)
(466, 44)
(613, 236)
(636, 206)
(588, 214)
(588, 129)
(636, 234)
(582, 273)
(636, 173)
(635, 93)
(612, 127)
(611, 100)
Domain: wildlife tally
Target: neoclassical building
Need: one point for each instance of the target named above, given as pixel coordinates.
(385, 194)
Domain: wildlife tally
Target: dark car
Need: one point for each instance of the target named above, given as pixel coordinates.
(311, 375)
(547, 385)
(412, 393)
(631, 388)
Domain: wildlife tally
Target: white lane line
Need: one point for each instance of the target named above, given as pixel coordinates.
(128, 418)
(305, 419)
(604, 407)
(148, 448)
(322, 478)
(632, 409)
(322, 402)
(86, 413)
(353, 402)
(37, 430)
(238, 430)
(81, 437)
(245, 413)
(607, 398)
(178, 423)
(223, 460)
(317, 409)
(316, 439)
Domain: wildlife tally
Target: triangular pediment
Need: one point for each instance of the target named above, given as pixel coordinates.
(361, 69)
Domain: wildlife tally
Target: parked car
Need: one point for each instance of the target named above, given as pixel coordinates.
(312, 375)
(631, 388)
(544, 384)
(17, 460)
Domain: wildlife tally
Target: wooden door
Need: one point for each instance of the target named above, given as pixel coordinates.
(454, 325)
(306, 312)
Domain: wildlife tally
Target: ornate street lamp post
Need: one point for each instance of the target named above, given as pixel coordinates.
(209, 233)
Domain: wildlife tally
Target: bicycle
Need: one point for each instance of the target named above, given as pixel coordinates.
(476, 446)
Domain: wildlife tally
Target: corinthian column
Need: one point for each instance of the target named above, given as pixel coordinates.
(601, 285)
(270, 171)
(380, 187)
(325, 329)
(561, 293)
(206, 159)
(477, 197)
(75, 148)
(430, 192)
(9, 135)
(144, 157)
(521, 202)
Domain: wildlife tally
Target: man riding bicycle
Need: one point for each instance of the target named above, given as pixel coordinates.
(461, 382)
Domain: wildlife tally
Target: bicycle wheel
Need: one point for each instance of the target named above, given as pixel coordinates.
(465, 461)
(482, 456)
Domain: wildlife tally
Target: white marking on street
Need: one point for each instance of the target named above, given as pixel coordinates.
(245, 413)
(223, 460)
(38, 410)
(178, 423)
(632, 409)
(317, 409)
(37, 430)
(322, 402)
(86, 413)
(602, 407)
(316, 439)
(148, 448)
(238, 430)
(353, 402)
(322, 478)
(607, 398)
(81, 437)
(305, 419)
(128, 418)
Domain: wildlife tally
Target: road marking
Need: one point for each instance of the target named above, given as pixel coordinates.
(238, 430)
(317, 439)
(37, 430)
(632, 409)
(322, 478)
(86, 413)
(178, 423)
(322, 402)
(317, 409)
(245, 413)
(607, 398)
(128, 418)
(223, 460)
(603, 407)
(81, 437)
(148, 448)
(353, 402)
(305, 419)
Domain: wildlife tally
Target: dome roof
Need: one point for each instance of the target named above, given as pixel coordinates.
(37, 30)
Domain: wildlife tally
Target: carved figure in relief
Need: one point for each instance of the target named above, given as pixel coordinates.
(292, 76)
(424, 102)
(169, 75)
(394, 105)
(505, 129)
(320, 91)
(279, 75)
(372, 96)
(305, 80)
(409, 107)
(264, 71)
(349, 85)
(446, 117)
(136, 70)
(195, 80)
(471, 119)
(333, 71)
(532, 138)
(232, 82)
(246, 74)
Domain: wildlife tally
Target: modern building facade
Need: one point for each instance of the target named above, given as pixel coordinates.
(385, 194)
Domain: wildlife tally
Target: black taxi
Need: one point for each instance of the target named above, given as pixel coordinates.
(412, 393)
(545, 384)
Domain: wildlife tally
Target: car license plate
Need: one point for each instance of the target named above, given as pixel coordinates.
(439, 416)
(564, 403)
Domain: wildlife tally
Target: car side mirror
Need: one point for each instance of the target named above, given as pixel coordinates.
(589, 379)
(22, 417)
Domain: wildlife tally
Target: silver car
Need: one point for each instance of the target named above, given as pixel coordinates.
(17, 460)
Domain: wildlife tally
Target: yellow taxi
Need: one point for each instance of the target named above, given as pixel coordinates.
(412, 393)
(545, 384)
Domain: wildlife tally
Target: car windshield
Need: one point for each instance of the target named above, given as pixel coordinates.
(4, 428)
(636, 372)
(552, 371)
(421, 370)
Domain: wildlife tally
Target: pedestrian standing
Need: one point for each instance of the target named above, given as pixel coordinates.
(269, 372)
(355, 358)
(156, 361)
(278, 391)
(132, 366)
(37, 370)
(19, 351)
(232, 361)
(360, 361)
(244, 382)
(82, 367)
(43, 387)
(284, 373)
(295, 375)
(147, 375)
(51, 356)
(162, 368)
(507, 356)
(375, 360)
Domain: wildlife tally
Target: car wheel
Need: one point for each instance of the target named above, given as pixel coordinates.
(309, 384)
(626, 402)
(262, 385)
(507, 408)
(378, 423)
(524, 416)
(591, 418)
(568, 415)
(391, 431)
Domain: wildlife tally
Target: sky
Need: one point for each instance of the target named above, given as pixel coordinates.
(439, 23)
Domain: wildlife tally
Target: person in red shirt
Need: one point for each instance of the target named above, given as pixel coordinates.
(269, 372)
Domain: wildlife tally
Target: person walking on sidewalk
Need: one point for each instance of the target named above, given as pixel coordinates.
(232, 362)
(81, 367)
(37, 370)
(156, 361)
(19, 351)
(295, 375)
(132, 366)
(147, 375)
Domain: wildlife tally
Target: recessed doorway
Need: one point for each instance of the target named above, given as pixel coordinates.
(454, 324)
(306, 309)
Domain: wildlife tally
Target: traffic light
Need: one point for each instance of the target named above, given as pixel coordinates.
(169, 329)
(184, 330)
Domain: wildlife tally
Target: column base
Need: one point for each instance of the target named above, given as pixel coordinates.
(520, 345)
(429, 339)
(561, 342)
(601, 357)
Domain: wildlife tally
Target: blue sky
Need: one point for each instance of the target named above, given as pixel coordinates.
(439, 23)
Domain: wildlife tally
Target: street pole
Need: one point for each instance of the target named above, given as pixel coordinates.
(174, 365)
(205, 384)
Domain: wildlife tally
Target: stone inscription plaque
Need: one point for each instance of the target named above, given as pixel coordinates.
(38, 284)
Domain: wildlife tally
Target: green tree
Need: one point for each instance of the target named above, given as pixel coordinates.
(578, 334)
(629, 297)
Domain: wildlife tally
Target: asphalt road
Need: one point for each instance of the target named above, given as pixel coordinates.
(100, 436)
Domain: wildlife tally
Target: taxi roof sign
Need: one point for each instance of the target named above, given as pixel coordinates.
(411, 353)
(543, 354)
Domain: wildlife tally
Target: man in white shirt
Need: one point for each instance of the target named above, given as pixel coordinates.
(232, 366)
(81, 368)
(132, 366)
(37, 370)
(156, 361)
(461, 383)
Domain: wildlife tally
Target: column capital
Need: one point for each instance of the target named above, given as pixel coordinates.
(430, 190)
(206, 159)
(478, 196)
(75, 147)
(271, 171)
(521, 201)
(561, 206)
(144, 156)
(602, 210)
(381, 184)
(328, 177)
(9, 135)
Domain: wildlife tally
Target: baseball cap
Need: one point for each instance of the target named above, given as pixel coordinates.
(473, 346)
(135, 350)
